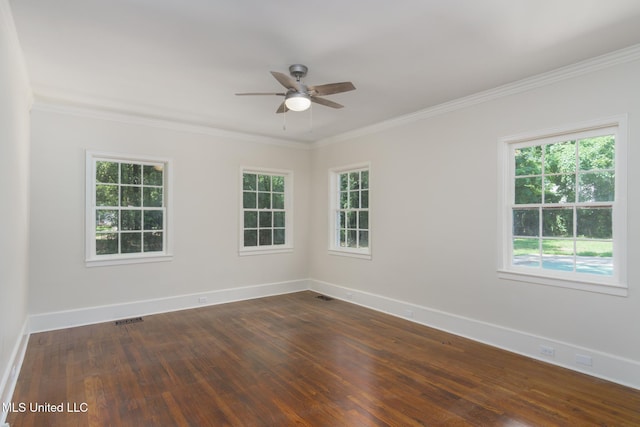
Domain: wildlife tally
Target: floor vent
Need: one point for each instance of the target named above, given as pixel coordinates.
(128, 321)
(324, 298)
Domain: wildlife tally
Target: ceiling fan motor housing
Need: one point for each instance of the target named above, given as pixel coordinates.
(298, 71)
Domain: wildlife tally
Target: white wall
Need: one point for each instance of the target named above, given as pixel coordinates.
(14, 197)
(205, 217)
(434, 207)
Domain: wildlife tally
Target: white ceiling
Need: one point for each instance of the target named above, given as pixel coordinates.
(185, 59)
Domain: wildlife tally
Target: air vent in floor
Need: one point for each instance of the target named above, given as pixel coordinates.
(128, 321)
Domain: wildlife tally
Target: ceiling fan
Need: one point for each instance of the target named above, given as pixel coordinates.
(299, 96)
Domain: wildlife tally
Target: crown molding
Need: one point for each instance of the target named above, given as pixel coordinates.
(6, 21)
(62, 102)
(48, 99)
(608, 60)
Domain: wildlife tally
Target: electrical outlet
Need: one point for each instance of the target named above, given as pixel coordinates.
(584, 360)
(547, 351)
(202, 300)
(408, 313)
(349, 295)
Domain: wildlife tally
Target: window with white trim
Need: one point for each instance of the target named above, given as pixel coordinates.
(564, 217)
(266, 214)
(350, 232)
(127, 209)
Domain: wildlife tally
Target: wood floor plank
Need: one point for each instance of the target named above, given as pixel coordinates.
(298, 360)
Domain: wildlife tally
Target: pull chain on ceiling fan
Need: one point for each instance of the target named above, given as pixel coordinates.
(300, 96)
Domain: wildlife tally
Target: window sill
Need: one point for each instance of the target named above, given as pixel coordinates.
(589, 286)
(267, 251)
(351, 254)
(123, 261)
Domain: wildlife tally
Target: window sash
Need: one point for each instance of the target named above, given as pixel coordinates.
(350, 222)
(578, 277)
(138, 230)
(265, 211)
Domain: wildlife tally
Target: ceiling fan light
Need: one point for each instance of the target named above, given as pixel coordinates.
(297, 101)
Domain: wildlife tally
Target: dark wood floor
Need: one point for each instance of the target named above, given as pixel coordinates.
(298, 360)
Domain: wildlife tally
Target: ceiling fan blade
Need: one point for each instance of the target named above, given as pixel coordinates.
(287, 81)
(325, 102)
(260, 93)
(282, 108)
(331, 88)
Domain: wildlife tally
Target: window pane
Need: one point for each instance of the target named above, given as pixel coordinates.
(250, 219)
(528, 160)
(278, 219)
(278, 236)
(277, 201)
(560, 158)
(597, 187)
(363, 221)
(106, 195)
(597, 153)
(106, 220)
(153, 220)
(152, 197)
(344, 181)
(560, 189)
(131, 243)
(153, 242)
(365, 199)
(344, 200)
(352, 238)
(364, 239)
(107, 172)
(557, 222)
(249, 200)
(557, 254)
(277, 183)
(528, 190)
(265, 237)
(130, 196)
(264, 200)
(352, 219)
(343, 238)
(265, 219)
(526, 222)
(354, 180)
(354, 199)
(342, 222)
(251, 237)
(152, 175)
(364, 177)
(594, 257)
(594, 223)
(131, 219)
(106, 244)
(264, 183)
(131, 173)
(526, 252)
(249, 181)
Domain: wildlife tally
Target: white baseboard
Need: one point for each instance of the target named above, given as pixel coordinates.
(603, 365)
(10, 376)
(86, 316)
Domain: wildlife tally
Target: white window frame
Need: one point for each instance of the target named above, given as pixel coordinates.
(334, 204)
(94, 260)
(288, 209)
(615, 284)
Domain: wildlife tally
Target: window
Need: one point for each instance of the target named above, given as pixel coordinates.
(127, 209)
(564, 216)
(350, 233)
(266, 212)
